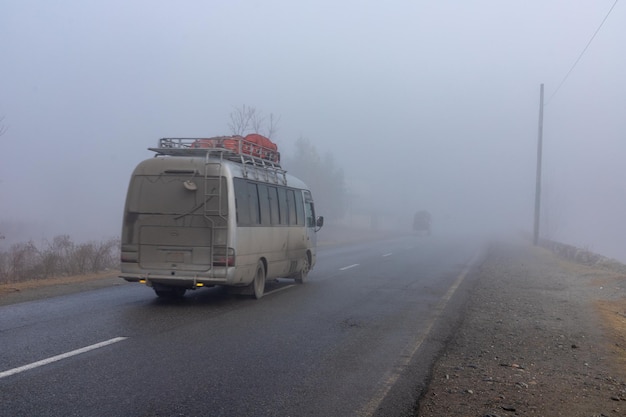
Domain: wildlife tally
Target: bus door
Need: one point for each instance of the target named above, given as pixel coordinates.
(309, 215)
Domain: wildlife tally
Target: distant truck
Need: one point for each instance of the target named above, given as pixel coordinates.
(422, 222)
(216, 211)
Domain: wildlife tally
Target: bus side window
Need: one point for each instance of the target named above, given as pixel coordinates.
(282, 206)
(253, 199)
(274, 213)
(299, 208)
(309, 210)
(242, 203)
(264, 204)
(291, 202)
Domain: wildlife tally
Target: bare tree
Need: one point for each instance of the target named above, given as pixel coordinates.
(22, 260)
(247, 119)
(60, 257)
(257, 122)
(327, 181)
(241, 119)
(272, 125)
(3, 128)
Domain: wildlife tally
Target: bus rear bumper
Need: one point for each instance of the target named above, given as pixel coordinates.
(184, 281)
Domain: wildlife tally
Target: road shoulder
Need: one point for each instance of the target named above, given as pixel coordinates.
(539, 337)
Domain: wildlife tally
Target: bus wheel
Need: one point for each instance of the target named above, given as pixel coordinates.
(169, 292)
(304, 272)
(258, 285)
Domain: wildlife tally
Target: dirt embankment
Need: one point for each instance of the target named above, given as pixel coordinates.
(542, 336)
(18, 292)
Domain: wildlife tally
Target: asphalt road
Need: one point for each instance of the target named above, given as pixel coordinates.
(356, 340)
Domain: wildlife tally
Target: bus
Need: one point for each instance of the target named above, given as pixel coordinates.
(216, 211)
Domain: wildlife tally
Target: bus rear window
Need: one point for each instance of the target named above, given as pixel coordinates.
(176, 194)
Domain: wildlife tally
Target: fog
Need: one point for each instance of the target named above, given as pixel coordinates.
(424, 105)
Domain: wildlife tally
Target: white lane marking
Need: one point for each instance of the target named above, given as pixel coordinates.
(387, 254)
(371, 407)
(348, 267)
(60, 357)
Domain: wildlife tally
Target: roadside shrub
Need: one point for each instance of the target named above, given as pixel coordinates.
(59, 257)
(22, 260)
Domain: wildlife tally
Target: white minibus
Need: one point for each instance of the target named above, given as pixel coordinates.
(217, 211)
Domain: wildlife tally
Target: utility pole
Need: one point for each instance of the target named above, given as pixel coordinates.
(538, 179)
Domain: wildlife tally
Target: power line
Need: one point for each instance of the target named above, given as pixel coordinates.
(583, 52)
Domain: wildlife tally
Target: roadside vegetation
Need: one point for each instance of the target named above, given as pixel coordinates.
(59, 257)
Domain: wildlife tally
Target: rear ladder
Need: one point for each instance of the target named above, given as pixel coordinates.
(211, 214)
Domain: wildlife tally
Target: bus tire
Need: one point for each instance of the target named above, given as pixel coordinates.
(258, 284)
(304, 271)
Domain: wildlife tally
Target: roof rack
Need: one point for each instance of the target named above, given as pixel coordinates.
(256, 159)
(235, 148)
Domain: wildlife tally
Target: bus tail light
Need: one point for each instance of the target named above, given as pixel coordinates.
(223, 256)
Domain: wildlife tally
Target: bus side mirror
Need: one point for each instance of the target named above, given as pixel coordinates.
(319, 222)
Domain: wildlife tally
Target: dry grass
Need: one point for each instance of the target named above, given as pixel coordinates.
(39, 283)
(613, 313)
(611, 307)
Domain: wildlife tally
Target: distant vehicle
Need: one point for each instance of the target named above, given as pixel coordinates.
(422, 222)
(216, 211)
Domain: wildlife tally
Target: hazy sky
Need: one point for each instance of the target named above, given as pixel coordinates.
(425, 104)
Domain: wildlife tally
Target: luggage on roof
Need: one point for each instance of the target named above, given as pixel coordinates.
(255, 145)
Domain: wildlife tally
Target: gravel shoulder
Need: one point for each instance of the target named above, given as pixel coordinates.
(541, 336)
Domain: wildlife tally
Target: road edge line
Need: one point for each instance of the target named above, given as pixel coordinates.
(370, 408)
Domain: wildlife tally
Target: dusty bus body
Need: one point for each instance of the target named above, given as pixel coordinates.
(217, 211)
